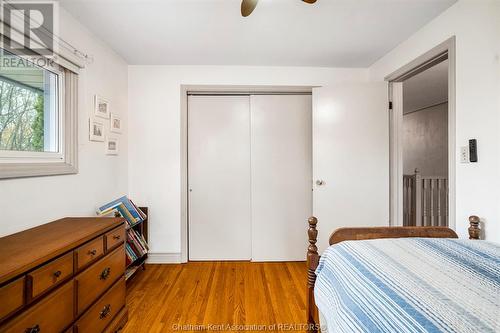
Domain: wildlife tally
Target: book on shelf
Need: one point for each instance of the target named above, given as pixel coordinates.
(141, 213)
(123, 207)
(137, 243)
(130, 271)
(138, 239)
(130, 254)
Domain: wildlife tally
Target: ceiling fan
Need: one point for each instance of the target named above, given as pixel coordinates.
(247, 6)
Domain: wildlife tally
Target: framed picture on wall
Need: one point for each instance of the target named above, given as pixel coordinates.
(101, 107)
(115, 124)
(111, 146)
(96, 130)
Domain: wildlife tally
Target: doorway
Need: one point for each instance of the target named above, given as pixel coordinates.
(249, 175)
(425, 147)
(422, 140)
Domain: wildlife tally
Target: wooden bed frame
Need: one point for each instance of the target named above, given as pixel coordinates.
(343, 234)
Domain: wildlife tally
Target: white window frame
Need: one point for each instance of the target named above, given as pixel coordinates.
(68, 61)
(16, 164)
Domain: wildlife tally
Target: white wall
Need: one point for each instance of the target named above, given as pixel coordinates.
(476, 25)
(28, 202)
(425, 141)
(154, 130)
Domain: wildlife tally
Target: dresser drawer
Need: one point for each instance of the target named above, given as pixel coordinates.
(51, 274)
(53, 314)
(118, 322)
(114, 238)
(89, 252)
(12, 297)
(96, 279)
(103, 312)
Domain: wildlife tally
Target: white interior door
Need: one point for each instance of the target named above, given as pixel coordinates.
(219, 178)
(350, 157)
(281, 175)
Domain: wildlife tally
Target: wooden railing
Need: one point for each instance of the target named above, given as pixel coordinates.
(425, 200)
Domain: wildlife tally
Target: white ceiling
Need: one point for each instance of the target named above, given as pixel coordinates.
(426, 89)
(331, 33)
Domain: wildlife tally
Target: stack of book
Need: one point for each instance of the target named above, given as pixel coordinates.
(136, 246)
(123, 207)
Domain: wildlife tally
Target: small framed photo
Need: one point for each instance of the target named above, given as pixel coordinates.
(116, 124)
(101, 107)
(96, 130)
(111, 146)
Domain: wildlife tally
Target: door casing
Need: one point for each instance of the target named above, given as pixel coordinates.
(445, 50)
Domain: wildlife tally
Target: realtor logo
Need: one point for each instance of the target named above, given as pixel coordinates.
(28, 27)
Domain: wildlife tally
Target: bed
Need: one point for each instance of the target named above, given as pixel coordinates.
(403, 279)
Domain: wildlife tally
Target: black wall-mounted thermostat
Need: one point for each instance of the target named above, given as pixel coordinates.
(473, 150)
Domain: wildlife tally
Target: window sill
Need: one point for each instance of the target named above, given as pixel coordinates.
(19, 170)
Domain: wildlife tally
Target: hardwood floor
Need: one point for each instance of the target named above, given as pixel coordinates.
(218, 297)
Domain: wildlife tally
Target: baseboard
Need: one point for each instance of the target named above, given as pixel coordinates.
(164, 258)
(278, 260)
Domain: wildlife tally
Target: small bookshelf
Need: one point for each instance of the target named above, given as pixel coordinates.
(136, 229)
(138, 264)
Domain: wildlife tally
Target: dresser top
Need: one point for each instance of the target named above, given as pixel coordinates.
(27, 249)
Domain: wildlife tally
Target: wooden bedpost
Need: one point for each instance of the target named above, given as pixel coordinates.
(474, 230)
(312, 264)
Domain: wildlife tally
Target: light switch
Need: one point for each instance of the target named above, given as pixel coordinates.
(464, 154)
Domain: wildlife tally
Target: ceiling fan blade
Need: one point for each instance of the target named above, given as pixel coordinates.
(309, 1)
(247, 7)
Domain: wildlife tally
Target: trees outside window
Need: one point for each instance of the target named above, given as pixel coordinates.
(29, 107)
(21, 117)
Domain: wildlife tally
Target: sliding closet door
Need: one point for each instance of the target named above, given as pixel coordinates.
(219, 178)
(281, 175)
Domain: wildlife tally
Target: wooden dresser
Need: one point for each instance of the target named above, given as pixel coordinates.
(64, 276)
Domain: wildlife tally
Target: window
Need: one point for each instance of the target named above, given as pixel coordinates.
(29, 108)
(37, 117)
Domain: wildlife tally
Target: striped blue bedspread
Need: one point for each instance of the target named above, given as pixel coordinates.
(410, 285)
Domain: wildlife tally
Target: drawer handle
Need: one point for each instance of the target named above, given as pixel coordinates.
(117, 237)
(105, 273)
(57, 274)
(92, 252)
(34, 329)
(105, 311)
